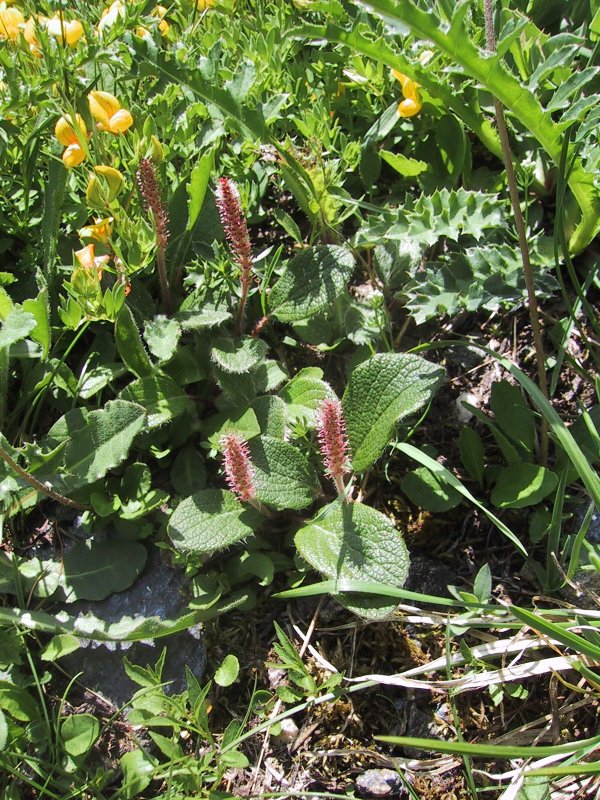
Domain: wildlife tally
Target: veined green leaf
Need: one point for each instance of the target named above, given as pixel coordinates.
(382, 390)
(353, 541)
(311, 281)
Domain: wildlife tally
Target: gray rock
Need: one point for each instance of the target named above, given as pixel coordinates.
(157, 592)
(380, 783)
(425, 724)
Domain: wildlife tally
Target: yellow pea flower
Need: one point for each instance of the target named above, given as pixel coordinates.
(100, 231)
(411, 104)
(11, 21)
(65, 133)
(107, 112)
(116, 10)
(90, 261)
(202, 5)
(66, 31)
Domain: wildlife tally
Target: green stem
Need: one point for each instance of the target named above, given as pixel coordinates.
(534, 316)
(162, 277)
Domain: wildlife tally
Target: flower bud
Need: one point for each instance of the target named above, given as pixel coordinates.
(104, 186)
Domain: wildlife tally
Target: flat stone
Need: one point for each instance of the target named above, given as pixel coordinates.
(158, 592)
(380, 783)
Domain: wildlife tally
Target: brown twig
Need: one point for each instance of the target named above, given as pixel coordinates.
(38, 485)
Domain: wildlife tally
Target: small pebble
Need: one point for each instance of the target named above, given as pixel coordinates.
(289, 731)
(463, 414)
(379, 783)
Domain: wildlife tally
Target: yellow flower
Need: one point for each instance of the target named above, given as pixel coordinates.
(411, 104)
(158, 13)
(66, 31)
(89, 261)
(107, 112)
(202, 5)
(100, 231)
(11, 21)
(30, 36)
(116, 10)
(66, 135)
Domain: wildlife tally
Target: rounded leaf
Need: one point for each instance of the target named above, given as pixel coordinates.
(79, 733)
(522, 485)
(356, 542)
(227, 673)
(210, 520)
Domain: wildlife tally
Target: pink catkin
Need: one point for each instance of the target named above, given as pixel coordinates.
(239, 471)
(331, 430)
(150, 191)
(234, 222)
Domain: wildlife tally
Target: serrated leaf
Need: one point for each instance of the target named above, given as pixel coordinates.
(445, 213)
(162, 336)
(129, 344)
(238, 356)
(522, 485)
(356, 542)
(209, 521)
(94, 570)
(408, 167)
(283, 476)
(310, 282)
(382, 390)
(103, 443)
(237, 389)
(162, 399)
(17, 326)
(79, 733)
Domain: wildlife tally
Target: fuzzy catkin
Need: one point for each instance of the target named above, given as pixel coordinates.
(150, 191)
(239, 471)
(333, 439)
(234, 222)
